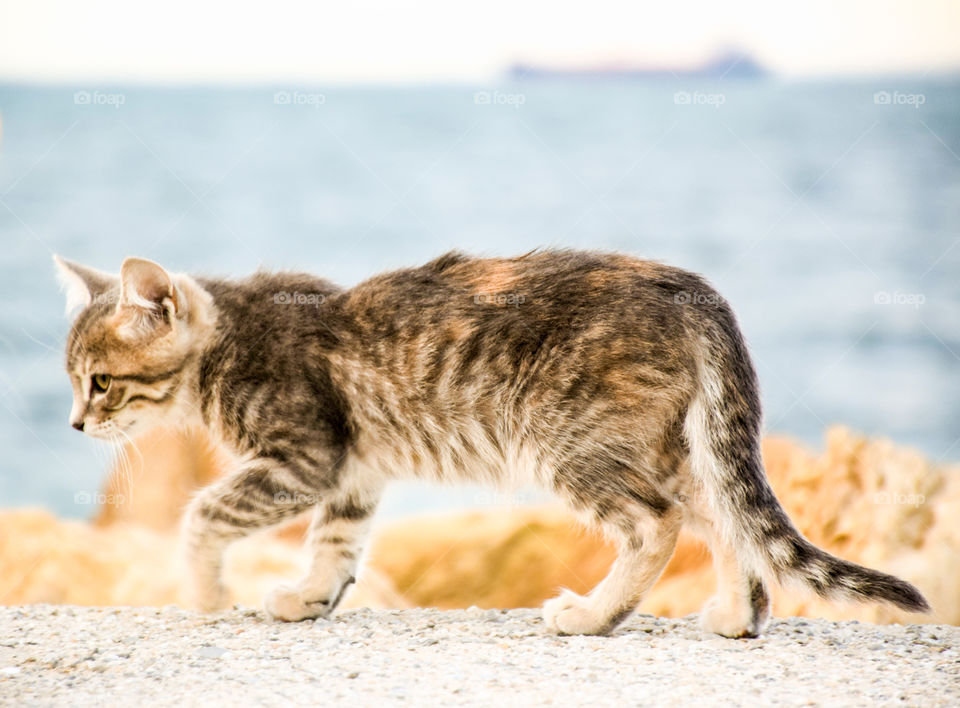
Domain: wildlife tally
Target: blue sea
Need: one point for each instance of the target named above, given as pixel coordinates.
(828, 212)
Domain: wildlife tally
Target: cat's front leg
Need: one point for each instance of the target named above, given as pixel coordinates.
(337, 534)
(259, 495)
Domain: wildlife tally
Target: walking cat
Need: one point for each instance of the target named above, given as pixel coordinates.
(623, 386)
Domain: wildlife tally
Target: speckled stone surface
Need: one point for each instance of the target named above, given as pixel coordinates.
(77, 656)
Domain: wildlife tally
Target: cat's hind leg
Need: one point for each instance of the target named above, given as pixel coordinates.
(645, 527)
(337, 533)
(741, 605)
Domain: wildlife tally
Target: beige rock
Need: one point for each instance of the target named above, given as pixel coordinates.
(46, 560)
(866, 500)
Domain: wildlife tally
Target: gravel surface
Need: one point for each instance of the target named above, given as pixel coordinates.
(61, 655)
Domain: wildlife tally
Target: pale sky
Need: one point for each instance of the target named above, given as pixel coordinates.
(451, 40)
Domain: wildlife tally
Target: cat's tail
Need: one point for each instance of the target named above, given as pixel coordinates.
(722, 428)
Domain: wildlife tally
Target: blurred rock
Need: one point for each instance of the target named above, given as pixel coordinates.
(158, 476)
(43, 559)
(866, 500)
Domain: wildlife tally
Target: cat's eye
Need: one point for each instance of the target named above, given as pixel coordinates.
(101, 382)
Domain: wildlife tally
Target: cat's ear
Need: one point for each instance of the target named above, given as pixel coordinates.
(146, 285)
(81, 284)
(149, 302)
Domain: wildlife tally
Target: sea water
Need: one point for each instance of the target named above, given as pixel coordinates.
(827, 212)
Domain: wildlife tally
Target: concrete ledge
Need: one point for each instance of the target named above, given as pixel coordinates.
(63, 655)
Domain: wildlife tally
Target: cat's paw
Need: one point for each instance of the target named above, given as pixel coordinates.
(718, 617)
(289, 604)
(570, 613)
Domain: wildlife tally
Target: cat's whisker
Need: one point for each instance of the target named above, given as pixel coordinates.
(123, 465)
(129, 446)
(37, 341)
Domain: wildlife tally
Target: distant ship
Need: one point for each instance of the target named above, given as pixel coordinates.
(734, 65)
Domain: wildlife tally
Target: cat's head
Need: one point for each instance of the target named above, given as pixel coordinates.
(131, 353)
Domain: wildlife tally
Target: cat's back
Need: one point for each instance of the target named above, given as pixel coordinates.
(269, 300)
(269, 320)
(542, 270)
(552, 288)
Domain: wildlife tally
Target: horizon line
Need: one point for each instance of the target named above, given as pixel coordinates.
(503, 77)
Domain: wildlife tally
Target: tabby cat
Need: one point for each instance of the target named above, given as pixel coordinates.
(623, 386)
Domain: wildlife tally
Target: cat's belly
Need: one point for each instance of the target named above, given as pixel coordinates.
(466, 453)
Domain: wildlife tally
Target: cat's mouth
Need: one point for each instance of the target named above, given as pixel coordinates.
(110, 430)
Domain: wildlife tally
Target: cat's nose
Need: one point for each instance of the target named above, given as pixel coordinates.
(77, 425)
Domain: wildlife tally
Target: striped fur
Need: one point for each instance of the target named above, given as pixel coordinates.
(623, 386)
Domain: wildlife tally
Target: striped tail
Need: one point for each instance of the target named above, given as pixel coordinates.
(723, 432)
